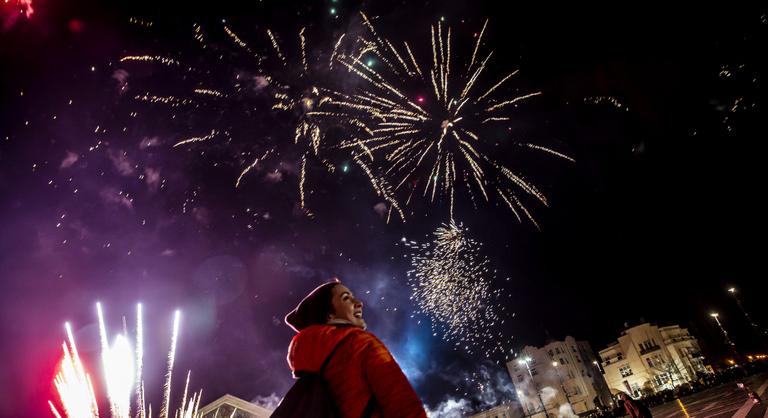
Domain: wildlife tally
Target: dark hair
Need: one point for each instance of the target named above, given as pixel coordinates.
(314, 308)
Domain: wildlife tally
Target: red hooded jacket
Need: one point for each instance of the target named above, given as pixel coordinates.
(362, 367)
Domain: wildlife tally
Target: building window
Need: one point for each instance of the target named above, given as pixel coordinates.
(625, 371)
(574, 349)
(650, 361)
(519, 378)
(562, 361)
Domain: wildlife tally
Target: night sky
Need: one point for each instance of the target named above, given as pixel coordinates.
(663, 111)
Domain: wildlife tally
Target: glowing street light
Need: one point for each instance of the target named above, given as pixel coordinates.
(728, 341)
(525, 361)
(562, 385)
(755, 326)
(597, 366)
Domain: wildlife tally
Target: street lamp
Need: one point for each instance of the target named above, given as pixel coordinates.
(728, 341)
(597, 366)
(525, 361)
(562, 385)
(732, 291)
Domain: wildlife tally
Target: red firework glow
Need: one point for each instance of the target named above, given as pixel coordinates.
(122, 377)
(11, 10)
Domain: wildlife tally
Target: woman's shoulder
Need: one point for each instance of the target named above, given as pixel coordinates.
(370, 346)
(366, 337)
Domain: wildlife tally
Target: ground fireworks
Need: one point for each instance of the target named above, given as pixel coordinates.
(122, 367)
(451, 283)
(426, 123)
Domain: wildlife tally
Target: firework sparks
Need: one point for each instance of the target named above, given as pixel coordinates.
(299, 96)
(11, 10)
(196, 139)
(74, 384)
(120, 378)
(139, 361)
(433, 142)
(609, 100)
(287, 71)
(190, 405)
(451, 283)
(169, 372)
(151, 58)
(123, 376)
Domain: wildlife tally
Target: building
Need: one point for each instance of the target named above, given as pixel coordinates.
(507, 410)
(233, 407)
(558, 375)
(647, 358)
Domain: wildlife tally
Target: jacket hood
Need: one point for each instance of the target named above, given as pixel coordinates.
(311, 346)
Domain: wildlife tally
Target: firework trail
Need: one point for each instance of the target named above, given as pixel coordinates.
(189, 407)
(451, 283)
(123, 371)
(287, 72)
(139, 362)
(169, 372)
(426, 122)
(297, 94)
(73, 384)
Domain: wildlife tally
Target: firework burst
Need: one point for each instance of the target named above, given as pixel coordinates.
(277, 81)
(122, 368)
(298, 94)
(450, 282)
(426, 122)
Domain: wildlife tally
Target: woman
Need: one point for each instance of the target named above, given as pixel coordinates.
(362, 376)
(635, 409)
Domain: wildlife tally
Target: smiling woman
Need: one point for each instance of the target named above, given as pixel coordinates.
(346, 308)
(332, 343)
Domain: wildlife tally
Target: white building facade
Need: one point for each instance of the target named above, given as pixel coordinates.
(229, 406)
(561, 377)
(508, 410)
(647, 358)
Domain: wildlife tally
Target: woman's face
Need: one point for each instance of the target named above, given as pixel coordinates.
(346, 306)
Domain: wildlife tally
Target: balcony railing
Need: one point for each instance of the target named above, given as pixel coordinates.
(646, 350)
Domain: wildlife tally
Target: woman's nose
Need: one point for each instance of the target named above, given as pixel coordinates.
(358, 303)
